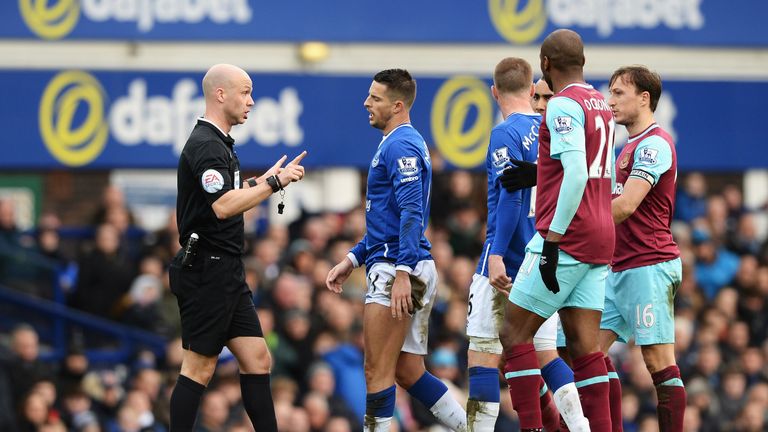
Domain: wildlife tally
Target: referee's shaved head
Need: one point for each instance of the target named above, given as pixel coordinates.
(564, 49)
(221, 76)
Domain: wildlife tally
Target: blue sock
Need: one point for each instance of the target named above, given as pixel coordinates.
(428, 389)
(380, 404)
(484, 384)
(556, 374)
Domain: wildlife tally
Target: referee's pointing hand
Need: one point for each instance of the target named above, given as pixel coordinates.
(293, 171)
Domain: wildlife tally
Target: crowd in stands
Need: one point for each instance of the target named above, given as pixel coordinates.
(315, 336)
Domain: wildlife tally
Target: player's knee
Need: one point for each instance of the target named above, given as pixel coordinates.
(199, 370)
(658, 357)
(410, 367)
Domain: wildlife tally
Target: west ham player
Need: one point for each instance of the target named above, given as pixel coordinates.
(510, 226)
(646, 269)
(402, 279)
(566, 262)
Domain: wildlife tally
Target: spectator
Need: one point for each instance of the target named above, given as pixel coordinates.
(213, 413)
(318, 410)
(732, 396)
(715, 266)
(78, 415)
(36, 413)
(690, 202)
(24, 369)
(105, 275)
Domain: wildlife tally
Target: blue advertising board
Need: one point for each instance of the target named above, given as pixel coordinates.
(82, 119)
(520, 22)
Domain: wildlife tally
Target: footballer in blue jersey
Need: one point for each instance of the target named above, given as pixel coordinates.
(397, 202)
(402, 279)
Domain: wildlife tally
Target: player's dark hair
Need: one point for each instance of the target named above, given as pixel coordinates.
(512, 75)
(400, 85)
(644, 80)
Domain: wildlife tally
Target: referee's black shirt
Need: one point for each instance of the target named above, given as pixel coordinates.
(208, 168)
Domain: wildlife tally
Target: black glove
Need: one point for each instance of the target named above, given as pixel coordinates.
(521, 176)
(548, 265)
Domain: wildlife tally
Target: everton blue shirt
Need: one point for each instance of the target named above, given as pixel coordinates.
(510, 215)
(397, 202)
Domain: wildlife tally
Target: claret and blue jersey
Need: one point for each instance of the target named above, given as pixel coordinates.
(397, 202)
(510, 215)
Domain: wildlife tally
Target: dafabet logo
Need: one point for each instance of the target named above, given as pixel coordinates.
(79, 119)
(50, 21)
(462, 119)
(56, 19)
(74, 143)
(524, 21)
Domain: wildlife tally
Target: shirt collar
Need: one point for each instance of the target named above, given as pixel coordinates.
(226, 137)
(384, 138)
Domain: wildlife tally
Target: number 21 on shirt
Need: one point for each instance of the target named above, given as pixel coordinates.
(601, 165)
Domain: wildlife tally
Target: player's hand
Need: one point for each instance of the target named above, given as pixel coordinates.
(497, 274)
(521, 176)
(293, 171)
(338, 275)
(401, 303)
(548, 265)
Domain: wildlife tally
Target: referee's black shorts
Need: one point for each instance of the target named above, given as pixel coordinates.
(214, 301)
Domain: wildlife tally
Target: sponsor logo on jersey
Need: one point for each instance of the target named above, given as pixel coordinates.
(407, 166)
(212, 181)
(500, 157)
(624, 161)
(648, 156)
(563, 124)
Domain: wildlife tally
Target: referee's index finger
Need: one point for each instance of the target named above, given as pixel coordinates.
(298, 158)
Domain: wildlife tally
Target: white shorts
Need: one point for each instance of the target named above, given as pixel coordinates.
(485, 316)
(381, 275)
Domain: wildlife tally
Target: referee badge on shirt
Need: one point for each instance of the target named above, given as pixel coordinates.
(212, 181)
(407, 166)
(500, 157)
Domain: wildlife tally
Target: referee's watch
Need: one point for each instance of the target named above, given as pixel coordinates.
(274, 183)
(251, 182)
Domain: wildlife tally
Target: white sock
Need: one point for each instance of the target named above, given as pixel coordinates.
(450, 413)
(376, 424)
(568, 403)
(481, 415)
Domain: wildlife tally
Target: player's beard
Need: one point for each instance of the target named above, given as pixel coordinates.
(379, 122)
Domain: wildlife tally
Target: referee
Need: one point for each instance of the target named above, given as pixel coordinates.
(207, 275)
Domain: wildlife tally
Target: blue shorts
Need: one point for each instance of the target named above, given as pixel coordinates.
(639, 303)
(582, 285)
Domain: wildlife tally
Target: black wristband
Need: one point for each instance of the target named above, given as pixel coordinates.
(251, 182)
(274, 183)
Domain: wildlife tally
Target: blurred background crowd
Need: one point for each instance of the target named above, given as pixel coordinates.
(115, 271)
